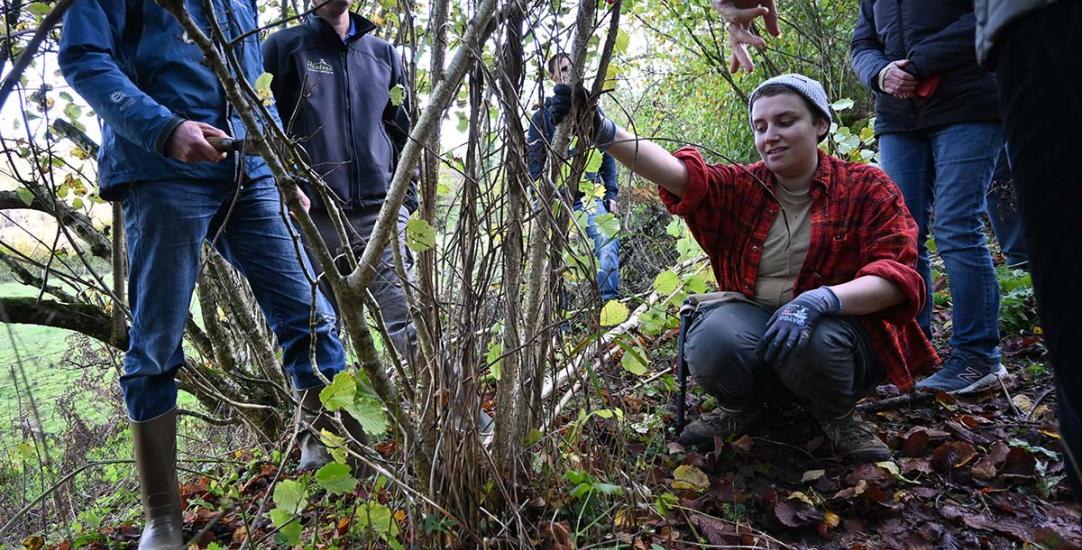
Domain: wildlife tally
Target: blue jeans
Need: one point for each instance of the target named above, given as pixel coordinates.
(607, 252)
(166, 224)
(947, 171)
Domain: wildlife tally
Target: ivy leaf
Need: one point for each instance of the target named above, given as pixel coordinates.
(666, 282)
(398, 95)
(420, 235)
(290, 496)
(613, 313)
(335, 478)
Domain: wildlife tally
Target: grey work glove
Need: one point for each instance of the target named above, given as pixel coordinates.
(789, 329)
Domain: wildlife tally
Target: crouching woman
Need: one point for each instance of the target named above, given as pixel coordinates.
(816, 255)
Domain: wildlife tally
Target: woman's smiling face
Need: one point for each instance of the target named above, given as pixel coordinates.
(787, 134)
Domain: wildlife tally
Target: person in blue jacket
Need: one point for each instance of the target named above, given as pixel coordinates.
(538, 138)
(938, 123)
(132, 62)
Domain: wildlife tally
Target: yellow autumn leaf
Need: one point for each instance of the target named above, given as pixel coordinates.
(688, 477)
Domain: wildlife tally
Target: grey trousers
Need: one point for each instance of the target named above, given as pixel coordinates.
(386, 286)
(836, 369)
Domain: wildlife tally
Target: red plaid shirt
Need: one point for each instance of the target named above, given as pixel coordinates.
(859, 226)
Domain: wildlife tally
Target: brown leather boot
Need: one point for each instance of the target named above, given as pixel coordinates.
(155, 444)
(854, 439)
(313, 418)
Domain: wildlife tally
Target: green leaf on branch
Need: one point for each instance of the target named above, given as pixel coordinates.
(336, 479)
(842, 104)
(420, 235)
(73, 111)
(344, 394)
(622, 41)
(608, 225)
(634, 362)
(289, 528)
(492, 357)
(262, 87)
(613, 313)
(398, 95)
(290, 496)
(696, 284)
(666, 282)
(675, 228)
(25, 195)
(335, 445)
(377, 517)
(40, 9)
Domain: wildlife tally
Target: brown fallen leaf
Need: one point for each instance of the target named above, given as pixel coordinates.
(717, 531)
(915, 442)
(986, 468)
(743, 444)
(952, 455)
(1020, 462)
(556, 536)
(794, 513)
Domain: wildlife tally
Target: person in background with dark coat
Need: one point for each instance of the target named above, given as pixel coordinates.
(1035, 47)
(538, 138)
(937, 119)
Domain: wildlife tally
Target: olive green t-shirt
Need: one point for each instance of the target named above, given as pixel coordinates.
(784, 251)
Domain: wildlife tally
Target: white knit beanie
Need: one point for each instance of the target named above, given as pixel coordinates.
(811, 89)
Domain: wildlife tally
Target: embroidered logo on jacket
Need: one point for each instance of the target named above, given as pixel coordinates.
(320, 66)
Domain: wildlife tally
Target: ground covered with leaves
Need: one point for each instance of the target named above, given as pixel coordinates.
(983, 471)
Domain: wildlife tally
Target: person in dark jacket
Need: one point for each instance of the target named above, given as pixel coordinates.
(160, 104)
(1036, 50)
(937, 120)
(538, 138)
(341, 95)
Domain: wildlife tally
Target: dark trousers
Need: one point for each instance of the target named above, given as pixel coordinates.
(836, 369)
(1040, 75)
(386, 287)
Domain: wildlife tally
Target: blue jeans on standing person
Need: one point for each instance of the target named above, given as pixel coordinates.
(946, 171)
(607, 252)
(167, 223)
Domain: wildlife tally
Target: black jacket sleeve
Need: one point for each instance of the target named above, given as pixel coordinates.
(396, 120)
(866, 50)
(537, 138)
(608, 176)
(947, 49)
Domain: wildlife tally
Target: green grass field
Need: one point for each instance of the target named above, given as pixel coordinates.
(34, 356)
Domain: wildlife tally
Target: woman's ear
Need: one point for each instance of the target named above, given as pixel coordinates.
(822, 127)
